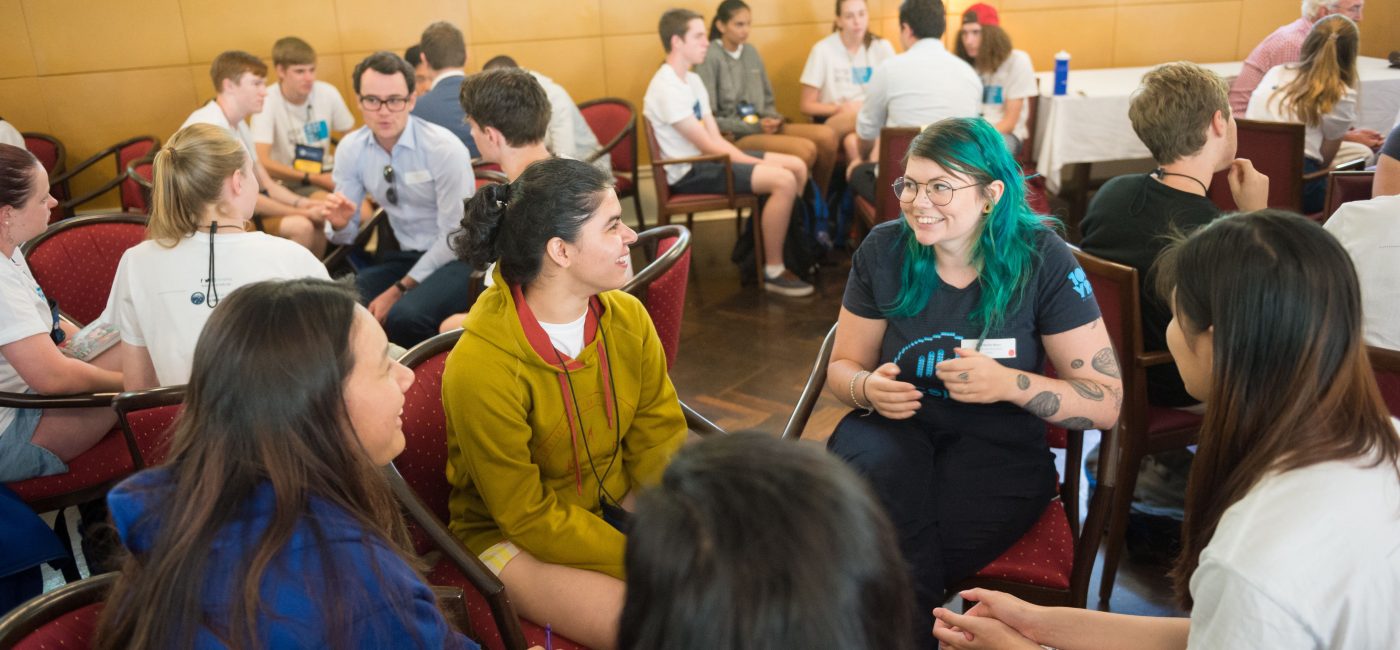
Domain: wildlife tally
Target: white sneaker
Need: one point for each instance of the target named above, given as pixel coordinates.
(787, 284)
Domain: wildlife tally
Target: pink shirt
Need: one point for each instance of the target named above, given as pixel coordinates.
(1283, 46)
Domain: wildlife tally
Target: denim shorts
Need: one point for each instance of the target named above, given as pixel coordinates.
(19, 457)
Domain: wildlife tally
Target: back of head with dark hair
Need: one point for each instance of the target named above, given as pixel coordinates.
(674, 23)
(231, 65)
(443, 45)
(414, 55)
(383, 62)
(500, 61)
(511, 223)
(16, 175)
(509, 100)
(724, 14)
(752, 542)
(926, 18)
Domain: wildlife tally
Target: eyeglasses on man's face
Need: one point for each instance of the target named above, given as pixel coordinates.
(372, 103)
(940, 193)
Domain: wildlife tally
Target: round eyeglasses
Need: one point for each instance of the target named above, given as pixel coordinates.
(939, 193)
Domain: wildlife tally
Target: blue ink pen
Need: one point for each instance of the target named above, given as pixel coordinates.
(548, 637)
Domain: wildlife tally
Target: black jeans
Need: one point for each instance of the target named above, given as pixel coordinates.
(416, 316)
(958, 500)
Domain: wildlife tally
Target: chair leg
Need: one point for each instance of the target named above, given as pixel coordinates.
(690, 221)
(637, 203)
(68, 565)
(663, 218)
(1131, 462)
(758, 258)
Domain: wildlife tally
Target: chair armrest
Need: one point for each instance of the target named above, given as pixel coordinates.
(594, 155)
(78, 401)
(1350, 166)
(1158, 358)
(714, 157)
(453, 603)
(699, 423)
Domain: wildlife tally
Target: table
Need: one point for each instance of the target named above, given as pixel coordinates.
(1090, 124)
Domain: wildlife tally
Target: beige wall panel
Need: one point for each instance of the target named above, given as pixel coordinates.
(1139, 36)
(1086, 33)
(16, 57)
(1380, 28)
(23, 106)
(786, 12)
(576, 63)
(72, 36)
(100, 109)
(641, 16)
(1259, 18)
(888, 29)
(784, 51)
(369, 25)
(631, 61)
(504, 21)
(203, 86)
(256, 25)
(348, 62)
(1027, 5)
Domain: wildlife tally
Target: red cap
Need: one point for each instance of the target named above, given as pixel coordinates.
(981, 13)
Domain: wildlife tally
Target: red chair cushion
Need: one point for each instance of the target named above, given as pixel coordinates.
(665, 301)
(623, 185)
(106, 462)
(681, 200)
(1389, 382)
(423, 462)
(151, 428)
(133, 199)
(1043, 557)
(75, 629)
(1162, 418)
(444, 573)
(607, 119)
(76, 266)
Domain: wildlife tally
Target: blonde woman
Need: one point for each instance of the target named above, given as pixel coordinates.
(198, 249)
(1320, 92)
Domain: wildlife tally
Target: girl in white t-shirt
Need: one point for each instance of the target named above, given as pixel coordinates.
(1292, 530)
(839, 67)
(1320, 92)
(36, 442)
(198, 250)
(1008, 79)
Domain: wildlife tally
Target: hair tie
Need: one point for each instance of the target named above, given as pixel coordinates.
(501, 195)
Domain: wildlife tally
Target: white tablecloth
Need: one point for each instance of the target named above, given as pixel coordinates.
(1090, 123)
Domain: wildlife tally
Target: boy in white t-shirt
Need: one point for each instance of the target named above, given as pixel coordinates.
(678, 109)
(293, 132)
(240, 79)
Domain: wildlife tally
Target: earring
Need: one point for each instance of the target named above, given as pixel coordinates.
(987, 209)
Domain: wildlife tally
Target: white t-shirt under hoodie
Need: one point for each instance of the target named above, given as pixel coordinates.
(1309, 558)
(24, 312)
(1264, 105)
(160, 297)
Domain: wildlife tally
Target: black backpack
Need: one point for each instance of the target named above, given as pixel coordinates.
(802, 253)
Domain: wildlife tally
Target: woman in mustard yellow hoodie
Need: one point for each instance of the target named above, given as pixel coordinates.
(558, 402)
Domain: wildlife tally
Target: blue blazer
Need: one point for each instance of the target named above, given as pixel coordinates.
(441, 106)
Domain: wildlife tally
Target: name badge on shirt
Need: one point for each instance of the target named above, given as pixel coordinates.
(309, 159)
(994, 348)
(699, 115)
(861, 74)
(992, 95)
(748, 113)
(316, 131)
(417, 176)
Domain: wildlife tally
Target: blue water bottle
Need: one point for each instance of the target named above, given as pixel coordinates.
(1061, 73)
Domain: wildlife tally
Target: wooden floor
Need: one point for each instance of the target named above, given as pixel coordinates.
(745, 355)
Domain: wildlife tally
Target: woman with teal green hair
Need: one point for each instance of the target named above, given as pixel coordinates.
(948, 318)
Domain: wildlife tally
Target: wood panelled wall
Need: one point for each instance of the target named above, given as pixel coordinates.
(93, 72)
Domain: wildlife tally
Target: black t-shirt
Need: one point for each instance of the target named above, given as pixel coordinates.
(1129, 222)
(1392, 144)
(1057, 299)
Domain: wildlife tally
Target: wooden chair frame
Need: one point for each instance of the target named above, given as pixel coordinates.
(891, 167)
(41, 610)
(140, 400)
(1334, 192)
(79, 222)
(658, 266)
(63, 179)
(607, 147)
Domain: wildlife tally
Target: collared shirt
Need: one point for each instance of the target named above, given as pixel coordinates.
(432, 176)
(449, 73)
(923, 85)
(1285, 45)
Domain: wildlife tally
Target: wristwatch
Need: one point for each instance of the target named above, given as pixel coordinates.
(305, 178)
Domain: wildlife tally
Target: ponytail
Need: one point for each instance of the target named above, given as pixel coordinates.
(481, 226)
(188, 174)
(1326, 70)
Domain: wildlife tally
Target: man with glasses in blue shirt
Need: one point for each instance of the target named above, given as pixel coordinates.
(420, 174)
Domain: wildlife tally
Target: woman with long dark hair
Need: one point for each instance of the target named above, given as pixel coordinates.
(751, 542)
(1292, 530)
(558, 403)
(949, 317)
(270, 525)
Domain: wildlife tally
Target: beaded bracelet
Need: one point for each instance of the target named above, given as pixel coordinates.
(868, 409)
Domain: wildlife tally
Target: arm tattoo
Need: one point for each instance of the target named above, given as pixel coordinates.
(1076, 364)
(1044, 405)
(1106, 362)
(1023, 382)
(1075, 424)
(1087, 389)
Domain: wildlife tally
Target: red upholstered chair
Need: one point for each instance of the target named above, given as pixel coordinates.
(140, 174)
(1344, 187)
(76, 260)
(894, 143)
(614, 122)
(488, 173)
(1386, 364)
(54, 157)
(63, 618)
(145, 418)
(1032, 108)
(1144, 429)
(1276, 150)
(661, 283)
(123, 153)
(1052, 563)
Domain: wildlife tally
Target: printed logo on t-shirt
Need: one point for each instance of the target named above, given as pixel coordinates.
(1080, 282)
(992, 95)
(696, 109)
(861, 74)
(197, 298)
(925, 353)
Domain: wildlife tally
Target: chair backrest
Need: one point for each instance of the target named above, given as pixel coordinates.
(658, 172)
(812, 390)
(1032, 109)
(1386, 364)
(486, 175)
(133, 197)
(76, 260)
(1344, 187)
(1276, 150)
(54, 157)
(662, 282)
(423, 462)
(894, 143)
(1117, 292)
(145, 418)
(614, 122)
(63, 618)
(141, 173)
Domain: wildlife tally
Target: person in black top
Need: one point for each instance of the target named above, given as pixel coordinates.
(1182, 113)
(948, 318)
(1387, 180)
